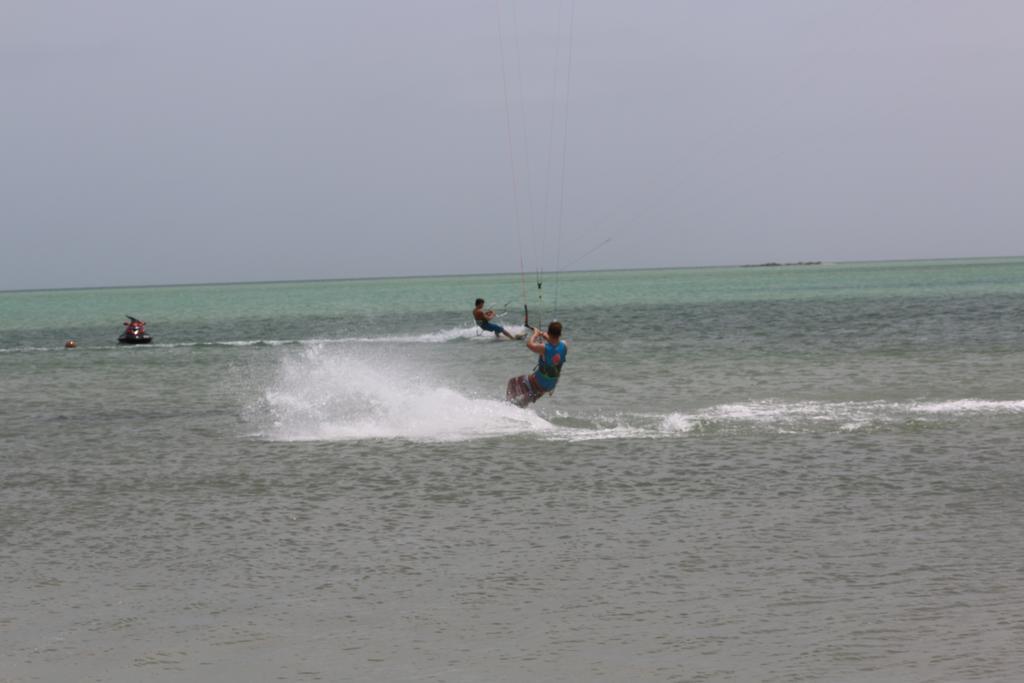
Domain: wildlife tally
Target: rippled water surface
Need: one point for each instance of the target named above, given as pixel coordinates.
(772, 474)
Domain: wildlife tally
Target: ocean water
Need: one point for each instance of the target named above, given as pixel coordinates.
(790, 473)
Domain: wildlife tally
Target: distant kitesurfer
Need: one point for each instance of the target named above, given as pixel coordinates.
(526, 389)
(483, 320)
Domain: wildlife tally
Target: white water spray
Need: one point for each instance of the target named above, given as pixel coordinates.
(332, 394)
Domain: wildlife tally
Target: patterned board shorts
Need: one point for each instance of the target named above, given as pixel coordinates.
(523, 390)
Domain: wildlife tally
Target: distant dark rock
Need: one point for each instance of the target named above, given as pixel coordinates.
(774, 264)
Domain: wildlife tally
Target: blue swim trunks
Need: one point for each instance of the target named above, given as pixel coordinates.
(491, 327)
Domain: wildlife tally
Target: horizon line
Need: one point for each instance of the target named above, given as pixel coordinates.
(802, 263)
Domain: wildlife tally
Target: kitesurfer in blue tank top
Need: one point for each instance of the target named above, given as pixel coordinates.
(526, 389)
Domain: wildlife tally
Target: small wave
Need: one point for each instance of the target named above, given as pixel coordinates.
(32, 349)
(966, 406)
(330, 393)
(237, 343)
(439, 337)
(335, 395)
(780, 417)
(823, 416)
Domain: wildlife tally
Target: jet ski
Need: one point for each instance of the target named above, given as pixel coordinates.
(134, 332)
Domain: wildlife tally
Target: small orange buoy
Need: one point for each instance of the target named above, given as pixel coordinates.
(70, 344)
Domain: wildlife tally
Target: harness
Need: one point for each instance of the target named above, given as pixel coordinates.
(551, 370)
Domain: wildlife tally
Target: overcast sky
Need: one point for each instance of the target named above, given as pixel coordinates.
(198, 141)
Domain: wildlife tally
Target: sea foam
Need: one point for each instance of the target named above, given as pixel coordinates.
(436, 337)
(828, 416)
